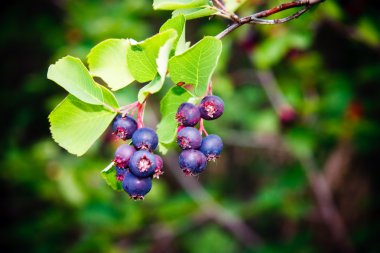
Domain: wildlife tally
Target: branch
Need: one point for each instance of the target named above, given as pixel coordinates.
(257, 18)
(211, 208)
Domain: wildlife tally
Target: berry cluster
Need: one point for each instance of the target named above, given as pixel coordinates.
(136, 164)
(197, 151)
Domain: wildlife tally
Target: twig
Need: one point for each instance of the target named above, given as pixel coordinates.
(257, 18)
(317, 181)
(211, 208)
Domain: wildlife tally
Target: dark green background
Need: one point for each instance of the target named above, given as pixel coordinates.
(327, 68)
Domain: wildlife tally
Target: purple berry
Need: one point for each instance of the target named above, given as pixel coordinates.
(211, 147)
(188, 114)
(136, 187)
(159, 166)
(142, 163)
(211, 107)
(192, 161)
(123, 154)
(189, 138)
(124, 127)
(120, 173)
(145, 138)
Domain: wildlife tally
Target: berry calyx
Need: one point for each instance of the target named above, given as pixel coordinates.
(189, 138)
(124, 127)
(188, 114)
(145, 138)
(123, 154)
(159, 167)
(142, 163)
(192, 162)
(211, 147)
(136, 187)
(211, 107)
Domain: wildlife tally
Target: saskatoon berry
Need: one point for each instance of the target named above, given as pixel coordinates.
(211, 107)
(124, 127)
(120, 173)
(145, 138)
(136, 187)
(192, 161)
(159, 166)
(189, 138)
(211, 147)
(123, 154)
(188, 114)
(142, 163)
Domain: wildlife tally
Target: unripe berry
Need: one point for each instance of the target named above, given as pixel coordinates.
(188, 114)
(189, 138)
(211, 107)
(211, 147)
(136, 187)
(142, 163)
(145, 138)
(124, 127)
(192, 161)
(123, 154)
(159, 167)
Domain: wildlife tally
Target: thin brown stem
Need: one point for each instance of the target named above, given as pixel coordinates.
(257, 18)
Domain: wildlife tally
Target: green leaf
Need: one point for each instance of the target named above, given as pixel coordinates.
(154, 86)
(166, 129)
(108, 60)
(70, 73)
(177, 23)
(109, 175)
(233, 5)
(108, 98)
(196, 65)
(162, 64)
(194, 13)
(76, 125)
(178, 4)
(141, 57)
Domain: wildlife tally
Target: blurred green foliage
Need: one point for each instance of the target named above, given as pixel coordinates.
(326, 65)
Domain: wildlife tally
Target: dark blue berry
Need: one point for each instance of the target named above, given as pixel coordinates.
(142, 163)
(120, 173)
(159, 167)
(189, 138)
(124, 127)
(192, 161)
(145, 138)
(211, 147)
(136, 187)
(211, 107)
(123, 154)
(188, 114)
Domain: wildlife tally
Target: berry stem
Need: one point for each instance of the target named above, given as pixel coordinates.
(140, 114)
(202, 128)
(209, 89)
(130, 108)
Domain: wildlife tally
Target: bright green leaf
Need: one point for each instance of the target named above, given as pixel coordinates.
(196, 65)
(154, 86)
(108, 60)
(233, 5)
(70, 73)
(178, 4)
(177, 23)
(194, 13)
(166, 129)
(76, 125)
(141, 57)
(109, 175)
